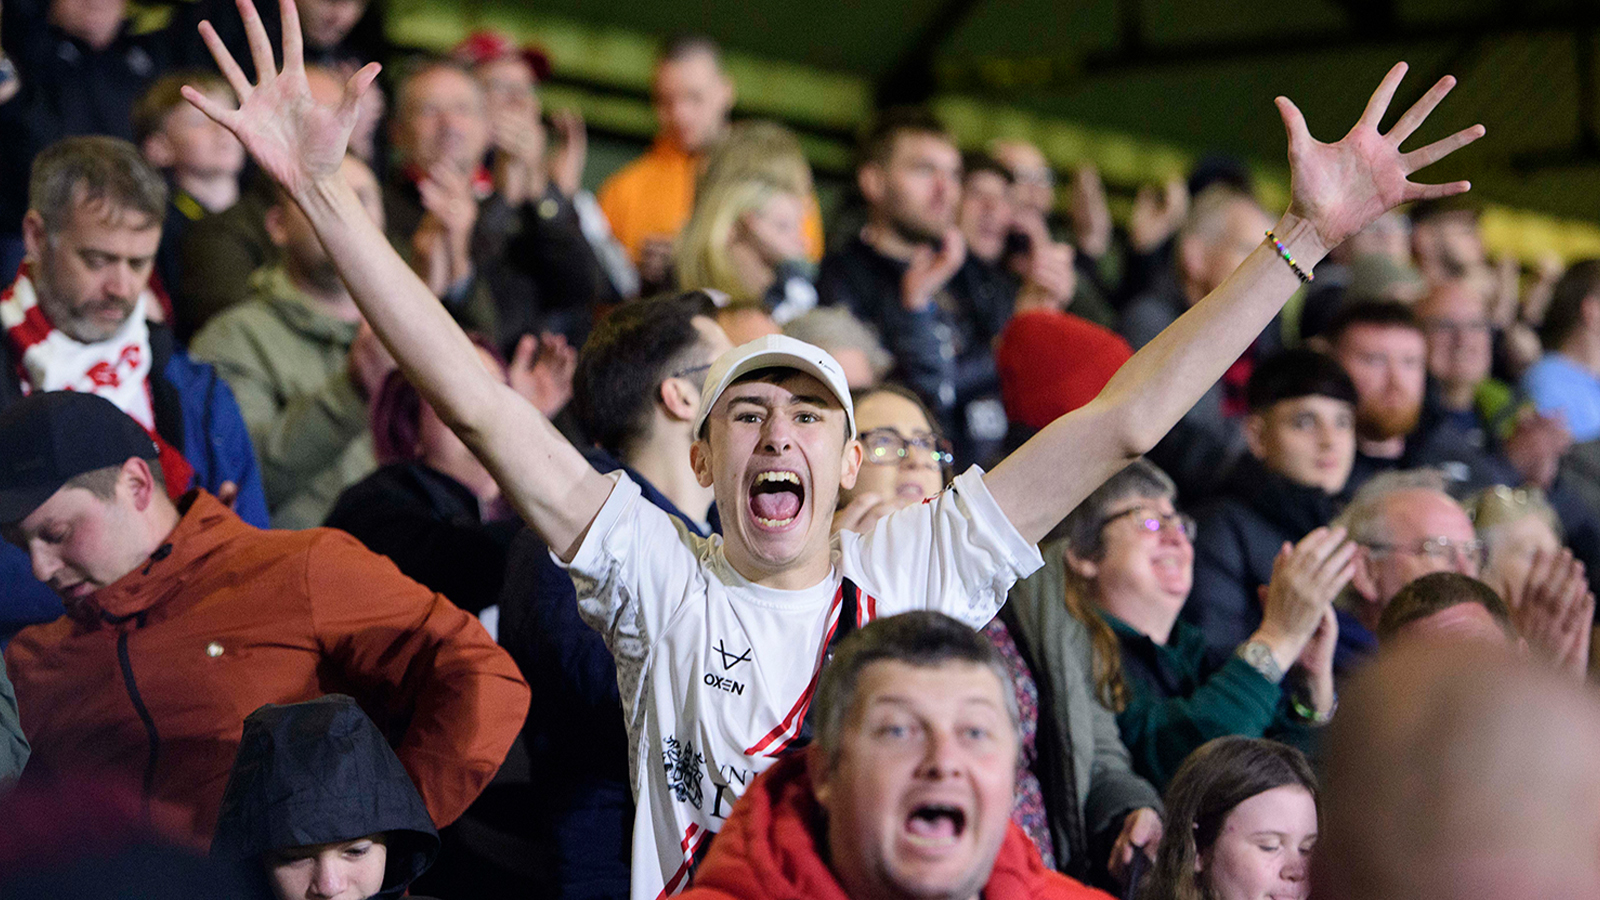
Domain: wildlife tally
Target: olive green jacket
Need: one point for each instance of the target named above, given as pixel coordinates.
(1097, 785)
(286, 362)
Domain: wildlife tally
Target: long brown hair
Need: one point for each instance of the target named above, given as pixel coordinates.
(1214, 779)
(1080, 534)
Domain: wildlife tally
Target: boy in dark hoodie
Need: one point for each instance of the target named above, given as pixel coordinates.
(321, 802)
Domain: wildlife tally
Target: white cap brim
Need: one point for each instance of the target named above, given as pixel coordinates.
(775, 351)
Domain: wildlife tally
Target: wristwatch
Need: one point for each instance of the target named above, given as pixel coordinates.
(1260, 658)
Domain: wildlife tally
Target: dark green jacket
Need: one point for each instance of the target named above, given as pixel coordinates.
(1182, 697)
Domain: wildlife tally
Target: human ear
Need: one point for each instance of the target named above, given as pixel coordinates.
(850, 469)
(700, 461)
(821, 783)
(158, 150)
(1364, 581)
(139, 482)
(1086, 569)
(1255, 426)
(273, 220)
(33, 234)
(676, 400)
(870, 178)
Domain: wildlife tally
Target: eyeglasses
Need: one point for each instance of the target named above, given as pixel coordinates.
(1152, 521)
(1441, 550)
(886, 447)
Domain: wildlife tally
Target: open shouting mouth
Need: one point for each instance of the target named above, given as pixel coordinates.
(935, 825)
(776, 498)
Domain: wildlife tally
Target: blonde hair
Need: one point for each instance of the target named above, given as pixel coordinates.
(756, 161)
(1500, 505)
(702, 256)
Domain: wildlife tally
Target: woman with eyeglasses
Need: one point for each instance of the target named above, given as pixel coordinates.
(1075, 789)
(1129, 557)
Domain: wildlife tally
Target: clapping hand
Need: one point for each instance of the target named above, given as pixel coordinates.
(1305, 580)
(1553, 610)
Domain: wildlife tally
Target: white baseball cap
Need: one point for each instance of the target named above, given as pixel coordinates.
(775, 351)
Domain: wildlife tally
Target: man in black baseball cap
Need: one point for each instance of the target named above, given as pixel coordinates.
(45, 443)
(180, 615)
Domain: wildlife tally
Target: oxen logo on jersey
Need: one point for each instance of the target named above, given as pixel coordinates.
(729, 660)
(683, 767)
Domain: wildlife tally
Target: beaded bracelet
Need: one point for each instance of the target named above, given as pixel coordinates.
(1305, 277)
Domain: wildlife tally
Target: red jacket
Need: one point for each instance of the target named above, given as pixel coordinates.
(150, 680)
(767, 850)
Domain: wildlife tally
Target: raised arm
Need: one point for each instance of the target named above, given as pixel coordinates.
(301, 144)
(1336, 190)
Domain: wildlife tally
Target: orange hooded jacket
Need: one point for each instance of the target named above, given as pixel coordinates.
(768, 850)
(148, 680)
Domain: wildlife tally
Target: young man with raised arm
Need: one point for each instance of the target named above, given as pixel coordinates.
(719, 642)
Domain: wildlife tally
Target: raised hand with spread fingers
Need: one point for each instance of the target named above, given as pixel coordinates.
(1335, 190)
(300, 144)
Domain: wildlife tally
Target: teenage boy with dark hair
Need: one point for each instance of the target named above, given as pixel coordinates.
(635, 392)
(1301, 436)
(719, 643)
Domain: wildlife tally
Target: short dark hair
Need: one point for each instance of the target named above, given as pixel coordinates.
(94, 169)
(878, 145)
(624, 361)
(165, 94)
(682, 46)
(1429, 594)
(924, 639)
(1565, 312)
(1382, 313)
(1296, 373)
(1215, 779)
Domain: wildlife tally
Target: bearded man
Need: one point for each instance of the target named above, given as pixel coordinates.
(1383, 347)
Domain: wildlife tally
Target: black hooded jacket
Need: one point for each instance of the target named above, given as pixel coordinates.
(320, 772)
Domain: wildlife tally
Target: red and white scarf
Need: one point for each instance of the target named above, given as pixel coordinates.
(117, 368)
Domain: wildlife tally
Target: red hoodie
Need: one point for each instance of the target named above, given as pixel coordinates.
(768, 850)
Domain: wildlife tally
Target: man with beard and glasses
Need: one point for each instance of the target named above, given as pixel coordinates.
(302, 366)
(719, 643)
(909, 274)
(75, 319)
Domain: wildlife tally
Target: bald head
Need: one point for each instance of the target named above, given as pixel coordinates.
(1458, 772)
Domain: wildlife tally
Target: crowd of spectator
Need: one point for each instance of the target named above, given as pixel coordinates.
(387, 513)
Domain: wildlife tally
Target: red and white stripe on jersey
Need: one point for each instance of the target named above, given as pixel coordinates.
(693, 837)
(777, 741)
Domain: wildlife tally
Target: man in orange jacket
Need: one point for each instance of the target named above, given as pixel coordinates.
(181, 620)
(906, 791)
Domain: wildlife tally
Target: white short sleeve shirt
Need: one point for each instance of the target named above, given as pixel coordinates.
(716, 673)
